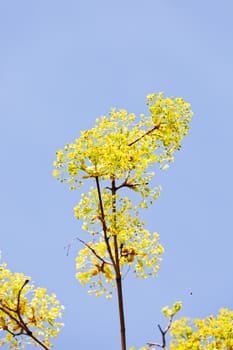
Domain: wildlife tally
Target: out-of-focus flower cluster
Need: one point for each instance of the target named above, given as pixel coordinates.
(211, 333)
(25, 311)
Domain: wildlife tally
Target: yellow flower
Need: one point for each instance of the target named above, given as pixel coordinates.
(55, 172)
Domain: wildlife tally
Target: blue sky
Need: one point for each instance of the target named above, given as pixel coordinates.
(64, 63)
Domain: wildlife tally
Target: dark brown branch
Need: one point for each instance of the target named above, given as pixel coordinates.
(124, 184)
(12, 318)
(20, 322)
(163, 334)
(156, 127)
(15, 334)
(106, 238)
(37, 340)
(118, 272)
(94, 252)
(25, 327)
(7, 307)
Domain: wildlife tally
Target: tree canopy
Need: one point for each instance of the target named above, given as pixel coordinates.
(118, 158)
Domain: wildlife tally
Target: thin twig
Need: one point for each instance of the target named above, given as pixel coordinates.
(20, 322)
(37, 340)
(11, 317)
(93, 251)
(25, 327)
(163, 334)
(145, 134)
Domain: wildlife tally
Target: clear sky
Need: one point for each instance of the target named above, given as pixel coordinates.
(64, 63)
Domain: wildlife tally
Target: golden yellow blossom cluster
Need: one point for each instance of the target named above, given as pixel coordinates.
(211, 333)
(28, 315)
(137, 247)
(119, 145)
(117, 155)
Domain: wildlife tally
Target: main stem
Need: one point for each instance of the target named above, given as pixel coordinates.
(118, 273)
(121, 311)
(114, 257)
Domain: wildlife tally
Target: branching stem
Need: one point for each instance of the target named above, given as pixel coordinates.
(19, 320)
(106, 238)
(118, 272)
(93, 251)
(163, 334)
(145, 134)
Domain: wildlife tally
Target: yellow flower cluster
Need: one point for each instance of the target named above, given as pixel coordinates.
(172, 312)
(118, 145)
(140, 252)
(137, 247)
(117, 154)
(200, 334)
(173, 117)
(28, 315)
(208, 334)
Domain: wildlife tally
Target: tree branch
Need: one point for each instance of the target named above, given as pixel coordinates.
(12, 318)
(106, 239)
(118, 272)
(94, 252)
(19, 321)
(163, 334)
(156, 127)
